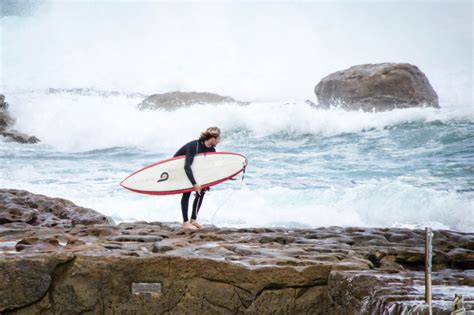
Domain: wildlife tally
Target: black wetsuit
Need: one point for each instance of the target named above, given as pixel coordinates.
(190, 150)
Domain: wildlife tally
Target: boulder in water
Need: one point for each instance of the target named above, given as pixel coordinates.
(377, 87)
(3, 104)
(13, 135)
(6, 121)
(174, 100)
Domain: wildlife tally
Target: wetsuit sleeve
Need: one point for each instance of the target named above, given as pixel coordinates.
(191, 151)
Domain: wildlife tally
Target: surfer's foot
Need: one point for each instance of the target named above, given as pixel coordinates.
(188, 225)
(194, 222)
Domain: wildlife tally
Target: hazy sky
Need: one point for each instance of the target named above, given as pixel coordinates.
(257, 51)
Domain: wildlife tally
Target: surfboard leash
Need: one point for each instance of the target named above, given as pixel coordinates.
(230, 195)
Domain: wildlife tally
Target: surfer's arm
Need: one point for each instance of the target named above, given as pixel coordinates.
(190, 153)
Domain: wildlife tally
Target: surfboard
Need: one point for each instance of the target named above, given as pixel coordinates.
(168, 177)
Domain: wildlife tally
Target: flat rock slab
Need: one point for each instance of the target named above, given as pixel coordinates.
(94, 266)
(248, 271)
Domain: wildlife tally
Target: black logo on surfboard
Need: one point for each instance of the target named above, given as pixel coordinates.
(164, 176)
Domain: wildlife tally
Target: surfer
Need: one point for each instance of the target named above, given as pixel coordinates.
(207, 142)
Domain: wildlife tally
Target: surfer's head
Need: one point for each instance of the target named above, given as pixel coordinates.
(212, 136)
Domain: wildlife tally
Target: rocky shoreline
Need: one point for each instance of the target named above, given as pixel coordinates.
(57, 264)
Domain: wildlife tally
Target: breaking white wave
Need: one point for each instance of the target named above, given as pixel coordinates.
(82, 123)
(377, 203)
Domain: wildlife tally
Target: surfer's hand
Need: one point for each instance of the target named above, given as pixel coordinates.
(197, 188)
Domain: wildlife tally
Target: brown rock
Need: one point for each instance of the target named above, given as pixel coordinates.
(18, 205)
(6, 122)
(25, 281)
(3, 104)
(388, 263)
(378, 87)
(73, 242)
(49, 244)
(174, 100)
(138, 267)
(13, 135)
(136, 238)
(461, 258)
(14, 214)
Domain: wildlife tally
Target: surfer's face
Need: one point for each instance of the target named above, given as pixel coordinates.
(212, 142)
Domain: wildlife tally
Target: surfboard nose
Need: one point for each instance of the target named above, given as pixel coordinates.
(123, 183)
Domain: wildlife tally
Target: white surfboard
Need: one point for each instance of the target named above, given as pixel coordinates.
(168, 177)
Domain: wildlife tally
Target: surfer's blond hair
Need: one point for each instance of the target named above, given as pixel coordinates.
(211, 132)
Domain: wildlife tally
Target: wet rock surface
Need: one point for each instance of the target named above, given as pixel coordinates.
(21, 208)
(5, 118)
(398, 293)
(377, 87)
(94, 268)
(7, 121)
(174, 100)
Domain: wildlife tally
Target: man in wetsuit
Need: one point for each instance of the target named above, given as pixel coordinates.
(207, 142)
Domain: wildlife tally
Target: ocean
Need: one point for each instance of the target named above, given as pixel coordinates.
(307, 167)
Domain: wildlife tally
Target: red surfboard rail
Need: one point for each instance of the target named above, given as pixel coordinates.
(182, 191)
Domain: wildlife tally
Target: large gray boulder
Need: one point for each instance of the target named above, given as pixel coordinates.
(174, 100)
(6, 122)
(377, 87)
